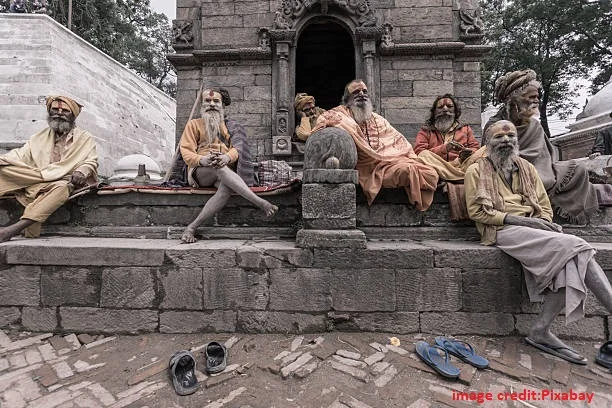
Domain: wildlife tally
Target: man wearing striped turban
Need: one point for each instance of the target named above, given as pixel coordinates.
(43, 172)
(567, 182)
(307, 114)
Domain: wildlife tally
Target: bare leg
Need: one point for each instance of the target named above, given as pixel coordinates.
(234, 182)
(540, 332)
(10, 231)
(212, 206)
(598, 283)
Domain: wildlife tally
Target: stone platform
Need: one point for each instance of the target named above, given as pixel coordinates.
(121, 285)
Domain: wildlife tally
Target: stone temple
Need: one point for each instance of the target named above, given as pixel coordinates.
(264, 52)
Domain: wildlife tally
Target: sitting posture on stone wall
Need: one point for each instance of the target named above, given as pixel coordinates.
(445, 143)
(567, 182)
(508, 201)
(307, 114)
(384, 157)
(213, 147)
(44, 172)
(603, 142)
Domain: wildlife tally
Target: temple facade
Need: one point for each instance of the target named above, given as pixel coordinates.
(264, 52)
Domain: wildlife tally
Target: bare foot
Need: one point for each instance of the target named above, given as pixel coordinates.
(5, 235)
(549, 339)
(188, 236)
(270, 209)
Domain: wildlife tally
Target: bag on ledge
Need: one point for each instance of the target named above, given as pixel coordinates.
(274, 173)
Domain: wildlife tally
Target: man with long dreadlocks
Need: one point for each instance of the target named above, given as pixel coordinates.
(212, 147)
(507, 200)
(384, 157)
(567, 182)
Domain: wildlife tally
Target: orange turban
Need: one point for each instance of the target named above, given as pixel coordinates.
(301, 100)
(74, 106)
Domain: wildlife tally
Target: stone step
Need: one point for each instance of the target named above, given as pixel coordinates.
(123, 285)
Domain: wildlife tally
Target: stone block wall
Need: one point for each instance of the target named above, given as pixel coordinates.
(136, 285)
(125, 113)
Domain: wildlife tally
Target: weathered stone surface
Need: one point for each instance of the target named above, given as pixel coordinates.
(330, 176)
(366, 290)
(128, 288)
(303, 289)
(87, 252)
(93, 320)
(388, 215)
(433, 289)
(249, 257)
(330, 142)
(205, 254)
(388, 255)
(70, 286)
(325, 223)
(20, 285)
(197, 322)
(491, 290)
(181, 288)
(328, 201)
(235, 288)
(283, 253)
(590, 328)
(469, 255)
(9, 316)
(397, 322)
(279, 322)
(41, 319)
(330, 239)
(456, 323)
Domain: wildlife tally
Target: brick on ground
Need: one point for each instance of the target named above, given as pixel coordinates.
(385, 377)
(102, 394)
(444, 396)
(99, 342)
(290, 358)
(352, 371)
(60, 344)
(516, 373)
(271, 367)
(63, 370)
(82, 366)
(397, 349)
(147, 372)
(4, 339)
(348, 354)
(290, 369)
(466, 375)
(46, 375)
(306, 370)
(379, 347)
(130, 399)
(420, 403)
(219, 379)
(414, 362)
(85, 338)
(282, 355)
(590, 376)
(4, 364)
(19, 344)
(229, 343)
(511, 355)
(73, 341)
(374, 358)
(33, 356)
(352, 402)
(541, 366)
(297, 342)
(324, 351)
(379, 367)
(349, 361)
(17, 360)
(561, 372)
(47, 351)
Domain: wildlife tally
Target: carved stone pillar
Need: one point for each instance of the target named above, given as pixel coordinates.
(281, 137)
(368, 36)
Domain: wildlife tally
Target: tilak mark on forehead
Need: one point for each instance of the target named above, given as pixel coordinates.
(211, 93)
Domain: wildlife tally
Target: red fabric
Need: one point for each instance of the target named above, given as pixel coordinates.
(432, 140)
(258, 189)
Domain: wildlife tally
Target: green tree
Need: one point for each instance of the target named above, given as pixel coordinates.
(127, 30)
(562, 40)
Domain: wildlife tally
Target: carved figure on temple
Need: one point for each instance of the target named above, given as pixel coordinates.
(470, 21)
(216, 152)
(51, 165)
(307, 114)
(182, 32)
(508, 201)
(385, 157)
(567, 182)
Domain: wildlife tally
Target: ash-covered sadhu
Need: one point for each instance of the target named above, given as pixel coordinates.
(384, 157)
(43, 172)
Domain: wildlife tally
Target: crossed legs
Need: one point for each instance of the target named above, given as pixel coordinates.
(227, 181)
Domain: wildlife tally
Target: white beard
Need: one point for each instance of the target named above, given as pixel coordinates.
(444, 123)
(363, 113)
(503, 160)
(212, 120)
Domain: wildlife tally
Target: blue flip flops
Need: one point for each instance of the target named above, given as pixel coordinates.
(463, 350)
(430, 355)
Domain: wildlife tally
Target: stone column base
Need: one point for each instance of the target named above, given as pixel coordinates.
(330, 239)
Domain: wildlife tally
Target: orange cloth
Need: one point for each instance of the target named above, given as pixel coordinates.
(386, 160)
(431, 139)
(194, 145)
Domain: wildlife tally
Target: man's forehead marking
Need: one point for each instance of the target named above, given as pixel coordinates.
(445, 101)
(356, 85)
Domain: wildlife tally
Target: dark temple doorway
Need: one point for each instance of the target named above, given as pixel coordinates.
(325, 62)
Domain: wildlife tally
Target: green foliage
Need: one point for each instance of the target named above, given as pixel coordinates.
(127, 30)
(562, 40)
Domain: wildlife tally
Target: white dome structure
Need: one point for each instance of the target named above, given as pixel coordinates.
(126, 169)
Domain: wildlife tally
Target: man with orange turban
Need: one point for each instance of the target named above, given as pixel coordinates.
(307, 114)
(43, 172)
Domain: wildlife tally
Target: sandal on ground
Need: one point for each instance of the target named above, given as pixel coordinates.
(463, 350)
(182, 371)
(429, 354)
(216, 357)
(558, 351)
(604, 356)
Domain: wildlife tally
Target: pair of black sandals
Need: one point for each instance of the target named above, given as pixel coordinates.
(182, 367)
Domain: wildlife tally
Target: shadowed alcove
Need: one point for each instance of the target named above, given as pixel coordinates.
(325, 62)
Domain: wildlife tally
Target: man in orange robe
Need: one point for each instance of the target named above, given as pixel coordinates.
(384, 157)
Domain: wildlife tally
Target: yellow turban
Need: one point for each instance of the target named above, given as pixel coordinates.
(301, 100)
(74, 106)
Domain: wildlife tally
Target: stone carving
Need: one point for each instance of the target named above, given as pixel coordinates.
(330, 148)
(264, 38)
(471, 21)
(282, 125)
(182, 32)
(387, 37)
(291, 10)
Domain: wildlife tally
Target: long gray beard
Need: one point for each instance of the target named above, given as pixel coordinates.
(444, 123)
(212, 119)
(503, 160)
(60, 126)
(363, 113)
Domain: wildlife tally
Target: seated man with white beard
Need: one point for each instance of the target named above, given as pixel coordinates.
(384, 157)
(445, 143)
(209, 146)
(44, 171)
(507, 199)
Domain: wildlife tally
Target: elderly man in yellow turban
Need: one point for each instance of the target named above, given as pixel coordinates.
(43, 172)
(307, 114)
